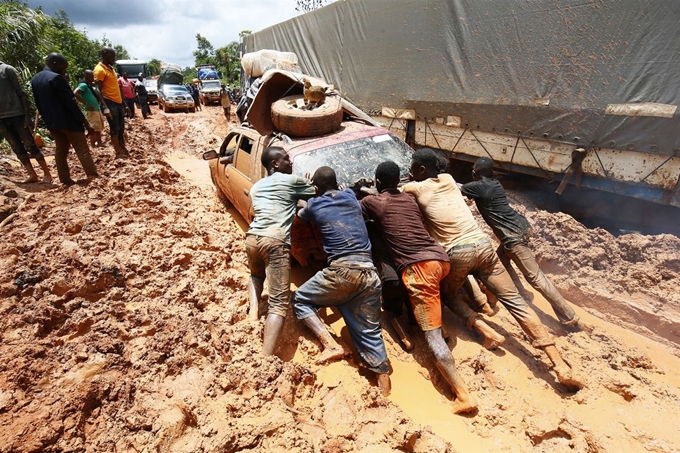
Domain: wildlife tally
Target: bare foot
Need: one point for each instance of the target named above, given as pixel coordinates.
(486, 309)
(329, 355)
(461, 406)
(492, 339)
(384, 383)
(29, 180)
(568, 378)
(493, 342)
(47, 179)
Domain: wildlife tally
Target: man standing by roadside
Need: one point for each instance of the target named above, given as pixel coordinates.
(450, 222)
(350, 282)
(142, 96)
(268, 239)
(422, 264)
(225, 101)
(15, 120)
(513, 230)
(63, 117)
(127, 87)
(106, 81)
(90, 99)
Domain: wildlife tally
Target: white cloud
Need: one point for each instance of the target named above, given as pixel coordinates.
(166, 29)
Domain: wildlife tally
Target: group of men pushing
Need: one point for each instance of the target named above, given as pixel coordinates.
(432, 241)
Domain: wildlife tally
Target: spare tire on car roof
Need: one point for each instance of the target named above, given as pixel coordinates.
(290, 119)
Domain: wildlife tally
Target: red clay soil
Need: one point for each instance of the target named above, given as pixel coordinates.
(123, 328)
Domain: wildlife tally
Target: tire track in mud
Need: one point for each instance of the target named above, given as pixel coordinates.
(124, 329)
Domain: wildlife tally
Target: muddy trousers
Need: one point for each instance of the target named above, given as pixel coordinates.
(63, 139)
(355, 292)
(524, 259)
(270, 258)
(480, 260)
(117, 120)
(20, 138)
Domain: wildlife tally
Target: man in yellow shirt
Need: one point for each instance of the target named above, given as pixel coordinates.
(106, 81)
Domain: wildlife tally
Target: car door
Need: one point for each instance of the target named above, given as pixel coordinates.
(239, 173)
(226, 159)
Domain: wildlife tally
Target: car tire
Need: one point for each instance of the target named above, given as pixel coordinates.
(291, 120)
(192, 109)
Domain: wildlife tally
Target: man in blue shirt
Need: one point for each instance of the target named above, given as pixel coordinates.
(350, 282)
(62, 116)
(268, 239)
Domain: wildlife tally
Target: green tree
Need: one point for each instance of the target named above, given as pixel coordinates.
(305, 6)
(205, 53)
(154, 67)
(23, 37)
(81, 52)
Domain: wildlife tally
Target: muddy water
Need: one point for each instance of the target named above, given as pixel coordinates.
(631, 392)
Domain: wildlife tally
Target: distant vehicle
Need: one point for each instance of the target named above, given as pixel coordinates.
(171, 74)
(175, 97)
(207, 72)
(209, 92)
(132, 67)
(152, 89)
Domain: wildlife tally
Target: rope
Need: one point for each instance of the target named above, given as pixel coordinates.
(535, 160)
(514, 150)
(427, 125)
(662, 164)
(482, 144)
(459, 139)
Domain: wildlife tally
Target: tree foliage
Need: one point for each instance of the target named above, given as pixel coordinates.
(154, 67)
(305, 6)
(27, 36)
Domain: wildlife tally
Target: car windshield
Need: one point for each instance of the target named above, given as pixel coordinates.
(175, 90)
(356, 159)
(215, 84)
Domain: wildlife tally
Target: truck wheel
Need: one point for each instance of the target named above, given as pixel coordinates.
(290, 119)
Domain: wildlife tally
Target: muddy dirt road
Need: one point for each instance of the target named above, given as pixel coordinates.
(123, 328)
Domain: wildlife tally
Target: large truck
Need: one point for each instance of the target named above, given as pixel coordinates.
(132, 67)
(584, 93)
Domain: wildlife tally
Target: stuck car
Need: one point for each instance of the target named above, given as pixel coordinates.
(354, 148)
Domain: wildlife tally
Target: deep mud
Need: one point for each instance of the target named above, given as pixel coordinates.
(123, 329)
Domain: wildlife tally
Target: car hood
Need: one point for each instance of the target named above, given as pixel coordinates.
(276, 84)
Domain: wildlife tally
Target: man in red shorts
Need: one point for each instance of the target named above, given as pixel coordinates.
(422, 263)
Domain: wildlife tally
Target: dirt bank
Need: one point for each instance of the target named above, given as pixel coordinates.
(124, 329)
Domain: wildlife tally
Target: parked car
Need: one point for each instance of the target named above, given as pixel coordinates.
(152, 89)
(175, 97)
(353, 151)
(209, 92)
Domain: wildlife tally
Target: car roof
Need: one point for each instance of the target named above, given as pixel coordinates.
(348, 131)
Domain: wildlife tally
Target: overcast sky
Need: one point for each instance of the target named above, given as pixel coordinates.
(166, 29)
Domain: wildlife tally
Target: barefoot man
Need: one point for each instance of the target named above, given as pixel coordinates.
(350, 282)
(450, 222)
(268, 239)
(422, 264)
(513, 230)
(15, 121)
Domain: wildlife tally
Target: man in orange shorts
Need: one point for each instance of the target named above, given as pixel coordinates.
(422, 264)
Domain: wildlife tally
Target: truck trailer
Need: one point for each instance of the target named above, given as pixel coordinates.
(585, 93)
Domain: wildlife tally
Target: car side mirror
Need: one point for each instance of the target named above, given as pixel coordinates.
(210, 155)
